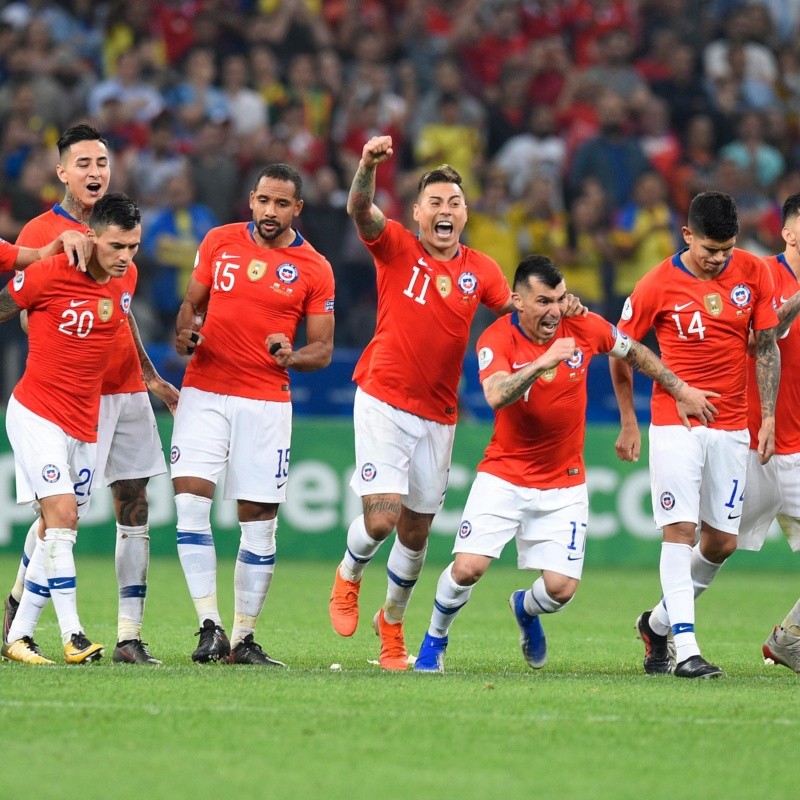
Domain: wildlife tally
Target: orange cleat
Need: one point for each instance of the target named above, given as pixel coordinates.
(393, 646)
(343, 607)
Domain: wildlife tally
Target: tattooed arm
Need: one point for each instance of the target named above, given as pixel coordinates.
(787, 314)
(8, 308)
(369, 219)
(768, 375)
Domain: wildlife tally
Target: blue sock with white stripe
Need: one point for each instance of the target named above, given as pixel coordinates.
(131, 559)
(59, 566)
(255, 565)
(450, 598)
(197, 554)
(34, 598)
(403, 569)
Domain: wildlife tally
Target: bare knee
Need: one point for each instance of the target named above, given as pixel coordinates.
(381, 515)
(716, 546)
(560, 587)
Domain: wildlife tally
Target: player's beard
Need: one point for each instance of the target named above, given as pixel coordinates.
(269, 235)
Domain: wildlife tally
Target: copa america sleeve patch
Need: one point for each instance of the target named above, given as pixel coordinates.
(627, 309)
(485, 357)
(19, 279)
(622, 344)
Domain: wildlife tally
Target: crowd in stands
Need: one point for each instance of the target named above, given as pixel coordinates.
(582, 128)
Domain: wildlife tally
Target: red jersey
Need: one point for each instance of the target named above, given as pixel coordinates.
(123, 373)
(702, 327)
(538, 440)
(74, 323)
(8, 255)
(425, 309)
(787, 407)
(255, 291)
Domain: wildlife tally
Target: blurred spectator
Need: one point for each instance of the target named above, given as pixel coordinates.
(267, 80)
(33, 194)
(683, 90)
(308, 151)
(22, 130)
(215, 175)
(752, 154)
(549, 64)
(507, 113)
(753, 203)
(539, 219)
(248, 109)
(198, 97)
(290, 27)
(305, 90)
(140, 101)
(591, 20)
(659, 142)
(695, 171)
(613, 66)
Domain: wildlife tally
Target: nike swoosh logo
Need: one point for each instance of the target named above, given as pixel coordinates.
(734, 516)
(574, 558)
(281, 485)
(229, 255)
(76, 303)
(519, 366)
(60, 584)
(264, 559)
(783, 299)
(684, 305)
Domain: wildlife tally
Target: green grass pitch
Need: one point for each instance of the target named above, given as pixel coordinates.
(589, 725)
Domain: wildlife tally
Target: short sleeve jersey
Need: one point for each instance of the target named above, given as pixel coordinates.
(787, 407)
(8, 255)
(123, 374)
(538, 439)
(702, 327)
(425, 309)
(254, 291)
(74, 323)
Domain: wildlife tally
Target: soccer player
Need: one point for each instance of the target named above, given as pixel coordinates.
(75, 321)
(703, 304)
(128, 445)
(531, 484)
(252, 285)
(75, 245)
(429, 288)
(772, 488)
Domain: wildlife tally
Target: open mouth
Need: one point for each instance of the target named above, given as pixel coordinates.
(549, 325)
(94, 189)
(443, 229)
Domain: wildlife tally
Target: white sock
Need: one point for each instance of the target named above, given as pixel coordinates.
(197, 554)
(34, 598)
(31, 537)
(255, 565)
(792, 622)
(537, 601)
(59, 566)
(703, 572)
(675, 569)
(132, 558)
(360, 549)
(450, 598)
(403, 569)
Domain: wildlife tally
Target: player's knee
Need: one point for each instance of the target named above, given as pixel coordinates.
(379, 525)
(560, 588)
(467, 573)
(194, 512)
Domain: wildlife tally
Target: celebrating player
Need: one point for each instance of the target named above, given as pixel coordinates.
(252, 285)
(76, 319)
(703, 303)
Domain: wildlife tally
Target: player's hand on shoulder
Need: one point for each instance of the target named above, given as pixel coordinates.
(574, 307)
(186, 341)
(377, 150)
(78, 248)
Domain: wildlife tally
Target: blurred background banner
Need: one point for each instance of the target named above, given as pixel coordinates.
(320, 504)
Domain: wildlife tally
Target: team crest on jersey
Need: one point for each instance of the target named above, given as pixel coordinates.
(51, 473)
(467, 282)
(465, 529)
(444, 283)
(713, 303)
(548, 375)
(368, 472)
(667, 500)
(256, 269)
(174, 454)
(105, 308)
(125, 302)
(19, 279)
(575, 360)
(740, 295)
(287, 273)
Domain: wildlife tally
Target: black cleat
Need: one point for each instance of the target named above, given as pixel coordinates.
(697, 667)
(657, 659)
(10, 606)
(133, 651)
(214, 644)
(249, 651)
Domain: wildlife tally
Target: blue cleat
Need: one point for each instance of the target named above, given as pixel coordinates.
(431, 654)
(531, 634)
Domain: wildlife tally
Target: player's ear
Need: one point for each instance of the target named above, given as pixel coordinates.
(61, 173)
(516, 300)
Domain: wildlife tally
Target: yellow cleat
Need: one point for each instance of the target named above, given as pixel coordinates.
(79, 650)
(24, 650)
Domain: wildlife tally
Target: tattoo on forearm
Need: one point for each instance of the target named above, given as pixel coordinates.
(8, 308)
(768, 370)
(360, 203)
(645, 361)
(787, 314)
(514, 386)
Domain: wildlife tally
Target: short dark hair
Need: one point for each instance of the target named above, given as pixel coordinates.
(281, 172)
(78, 133)
(714, 215)
(115, 209)
(536, 266)
(444, 173)
(791, 207)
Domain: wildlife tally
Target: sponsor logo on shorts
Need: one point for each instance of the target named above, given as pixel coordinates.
(287, 272)
(667, 501)
(740, 295)
(125, 302)
(51, 473)
(467, 282)
(368, 472)
(174, 454)
(465, 529)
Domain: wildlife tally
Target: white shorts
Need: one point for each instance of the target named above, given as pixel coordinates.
(128, 444)
(548, 524)
(250, 437)
(698, 475)
(47, 460)
(400, 453)
(773, 491)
